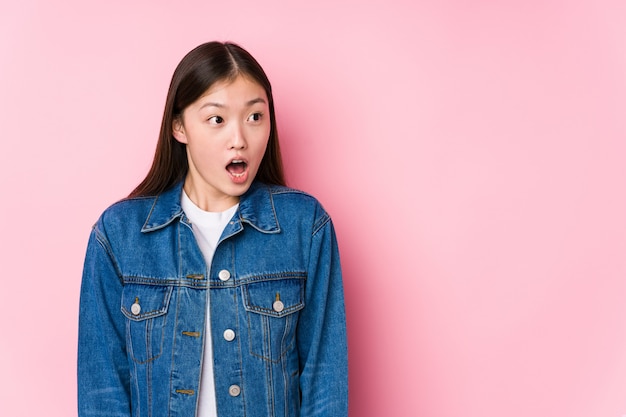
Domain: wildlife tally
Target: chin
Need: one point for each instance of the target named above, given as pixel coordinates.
(239, 189)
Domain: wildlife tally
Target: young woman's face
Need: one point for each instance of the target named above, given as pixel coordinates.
(226, 132)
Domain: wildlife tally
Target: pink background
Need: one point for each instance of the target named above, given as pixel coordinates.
(472, 155)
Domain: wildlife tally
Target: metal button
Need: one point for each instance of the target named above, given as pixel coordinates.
(135, 308)
(278, 306)
(229, 335)
(234, 390)
(224, 275)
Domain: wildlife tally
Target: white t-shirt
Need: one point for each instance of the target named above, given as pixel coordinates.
(207, 228)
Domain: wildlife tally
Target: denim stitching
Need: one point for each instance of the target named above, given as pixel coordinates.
(104, 242)
(320, 223)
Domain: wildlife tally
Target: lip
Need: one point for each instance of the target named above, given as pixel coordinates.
(237, 159)
(238, 178)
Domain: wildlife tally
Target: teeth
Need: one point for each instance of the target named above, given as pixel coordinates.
(237, 161)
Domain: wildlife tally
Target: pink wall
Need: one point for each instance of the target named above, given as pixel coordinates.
(472, 154)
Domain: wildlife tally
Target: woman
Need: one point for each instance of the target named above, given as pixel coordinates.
(213, 289)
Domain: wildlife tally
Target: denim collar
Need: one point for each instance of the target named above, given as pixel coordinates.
(256, 208)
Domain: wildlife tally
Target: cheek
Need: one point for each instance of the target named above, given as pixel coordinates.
(201, 154)
(258, 139)
(263, 146)
(264, 138)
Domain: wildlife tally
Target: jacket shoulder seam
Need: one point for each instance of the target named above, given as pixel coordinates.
(104, 242)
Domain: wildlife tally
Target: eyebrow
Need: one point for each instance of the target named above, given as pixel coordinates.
(221, 106)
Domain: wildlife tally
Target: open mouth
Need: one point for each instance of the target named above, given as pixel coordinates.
(237, 168)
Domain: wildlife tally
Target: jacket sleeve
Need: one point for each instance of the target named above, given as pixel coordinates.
(321, 334)
(103, 373)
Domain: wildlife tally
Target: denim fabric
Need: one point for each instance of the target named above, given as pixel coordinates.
(143, 301)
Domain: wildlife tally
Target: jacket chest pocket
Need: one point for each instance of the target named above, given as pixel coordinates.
(272, 310)
(145, 307)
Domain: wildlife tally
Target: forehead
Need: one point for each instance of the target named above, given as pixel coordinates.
(241, 88)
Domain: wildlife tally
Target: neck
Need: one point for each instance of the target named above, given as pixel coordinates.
(208, 201)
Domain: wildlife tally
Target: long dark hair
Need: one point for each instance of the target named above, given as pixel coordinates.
(196, 73)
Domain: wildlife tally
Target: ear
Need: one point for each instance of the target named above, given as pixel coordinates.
(178, 130)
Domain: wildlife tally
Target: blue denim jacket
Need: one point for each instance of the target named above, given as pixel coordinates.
(275, 283)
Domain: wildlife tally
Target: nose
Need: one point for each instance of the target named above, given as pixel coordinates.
(238, 137)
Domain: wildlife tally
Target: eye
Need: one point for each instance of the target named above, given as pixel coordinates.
(216, 120)
(255, 117)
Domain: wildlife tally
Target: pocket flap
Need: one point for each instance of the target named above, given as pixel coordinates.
(141, 302)
(276, 298)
